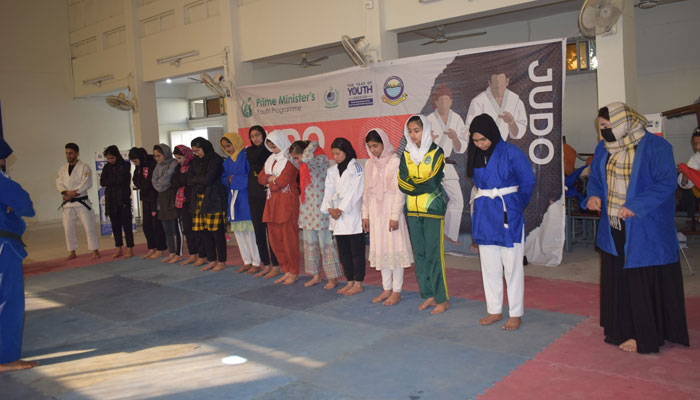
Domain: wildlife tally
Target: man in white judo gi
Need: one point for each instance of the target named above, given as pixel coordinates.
(449, 132)
(504, 106)
(73, 181)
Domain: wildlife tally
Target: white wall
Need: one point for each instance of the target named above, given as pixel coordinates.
(38, 109)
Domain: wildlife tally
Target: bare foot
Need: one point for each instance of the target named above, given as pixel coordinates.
(429, 302)
(208, 266)
(200, 262)
(190, 260)
(441, 308)
(175, 259)
(512, 324)
(243, 269)
(394, 299)
(129, 252)
(332, 283)
(219, 266)
(474, 249)
(18, 365)
(71, 256)
(148, 254)
(274, 271)
(355, 289)
(168, 258)
(253, 270)
(291, 278)
(629, 345)
(345, 288)
(264, 271)
(95, 255)
(156, 254)
(315, 280)
(117, 253)
(490, 319)
(454, 242)
(282, 278)
(382, 296)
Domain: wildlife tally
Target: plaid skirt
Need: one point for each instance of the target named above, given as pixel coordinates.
(207, 222)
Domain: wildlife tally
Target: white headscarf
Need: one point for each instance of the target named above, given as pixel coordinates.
(416, 153)
(279, 160)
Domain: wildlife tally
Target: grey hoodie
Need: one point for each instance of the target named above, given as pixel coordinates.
(163, 172)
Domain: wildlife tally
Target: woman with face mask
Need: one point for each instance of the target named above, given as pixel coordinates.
(632, 184)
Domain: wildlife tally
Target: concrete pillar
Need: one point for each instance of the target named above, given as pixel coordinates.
(237, 73)
(383, 44)
(145, 117)
(617, 58)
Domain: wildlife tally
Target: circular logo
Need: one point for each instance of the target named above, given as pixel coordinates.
(393, 87)
(330, 97)
(428, 160)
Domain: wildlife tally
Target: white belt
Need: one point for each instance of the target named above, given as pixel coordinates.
(497, 192)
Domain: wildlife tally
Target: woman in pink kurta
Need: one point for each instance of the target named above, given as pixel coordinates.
(382, 216)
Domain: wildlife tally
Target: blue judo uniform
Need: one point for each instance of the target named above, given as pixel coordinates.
(14, 204)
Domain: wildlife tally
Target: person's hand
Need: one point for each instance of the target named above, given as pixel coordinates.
(625, 213)
(365, 224)
(71, 193)
(335, 212)
(66, 197)
(507, 117)
(393, 225)
(153, 213)
(9, 209)
(229, 179)
(684, 179)
(451, 134)
(270, 179)
(593, 203)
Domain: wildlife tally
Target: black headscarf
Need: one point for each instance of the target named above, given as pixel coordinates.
(344, 145)
(257, 155)
(113, 150)
(477, 158)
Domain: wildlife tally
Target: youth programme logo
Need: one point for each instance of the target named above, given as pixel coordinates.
(330, 97)
(247, 108)
(393, 91)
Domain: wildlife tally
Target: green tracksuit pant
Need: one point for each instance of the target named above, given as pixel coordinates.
(427, 235)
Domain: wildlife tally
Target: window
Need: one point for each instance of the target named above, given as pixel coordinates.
(200, 10)
(581, 56)
(207, 107)
(185, 137)
(158, 23)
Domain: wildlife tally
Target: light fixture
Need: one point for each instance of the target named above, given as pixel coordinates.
(176, 59)
(98, 81)
(168, 80)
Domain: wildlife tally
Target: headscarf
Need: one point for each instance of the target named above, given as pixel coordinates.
(5, 149)
(416, 153)
(277, 161)
(138, 153)
(163, 172)
(345, 146)
(237, 143)
(477, 158)
(628, 128)
(374, 183)
(257, 155)
(186, 152)
(113, 150)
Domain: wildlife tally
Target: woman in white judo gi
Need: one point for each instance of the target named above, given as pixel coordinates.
(504, 181)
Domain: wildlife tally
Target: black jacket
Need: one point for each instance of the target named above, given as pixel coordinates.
(116, 178)
(143, 183)
(204, 177)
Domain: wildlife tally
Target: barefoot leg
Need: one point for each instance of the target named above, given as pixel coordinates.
(332, 283)
(512, 324)
(175, 259)
(168, 258)
(148, 253)
(355, 289)
(200, 262)
(18, 365)
(129, 252)
(490, 319)
(394, 299)
(71, 256)
(190, 259)
(266, 270)
(629, 345)
(243, 269)
(291, 278)
(117, 253)
(219, 266)
(274, 271)
(95, 255)
(282, 278)
(315, 280)
(345, 288)
(208, 266)
(441, 308)
(382, 296)
(253, 270)
(429, 302)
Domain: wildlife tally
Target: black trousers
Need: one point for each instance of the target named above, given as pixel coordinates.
(351, 252)
(257, 206)
(152, 228)
(121, 221)
(184, 216)
(215, 244)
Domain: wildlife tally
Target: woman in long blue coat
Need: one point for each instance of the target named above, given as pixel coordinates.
(14, 204)
(633, 184)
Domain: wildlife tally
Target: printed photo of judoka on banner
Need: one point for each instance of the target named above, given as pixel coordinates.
(520, 86)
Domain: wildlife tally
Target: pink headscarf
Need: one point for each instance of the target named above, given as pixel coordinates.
(375, 165)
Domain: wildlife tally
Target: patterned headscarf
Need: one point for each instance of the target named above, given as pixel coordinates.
(186, 152)
(628, 128)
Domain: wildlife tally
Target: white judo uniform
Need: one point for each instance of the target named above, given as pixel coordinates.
(484, 102)
(345, 193)
(453, 214)
(80, 180)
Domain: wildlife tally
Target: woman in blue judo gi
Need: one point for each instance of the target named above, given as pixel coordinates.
(14, 204)
(503, 182)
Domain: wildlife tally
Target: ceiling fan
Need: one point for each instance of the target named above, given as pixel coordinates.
(304, 62)
(441, 37)
(647, 4)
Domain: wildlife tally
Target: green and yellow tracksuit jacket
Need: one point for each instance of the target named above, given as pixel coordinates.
(422, 184)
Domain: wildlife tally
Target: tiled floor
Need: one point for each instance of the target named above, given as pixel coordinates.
(141, 329)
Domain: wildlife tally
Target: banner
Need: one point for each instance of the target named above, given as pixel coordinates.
(520, 86)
